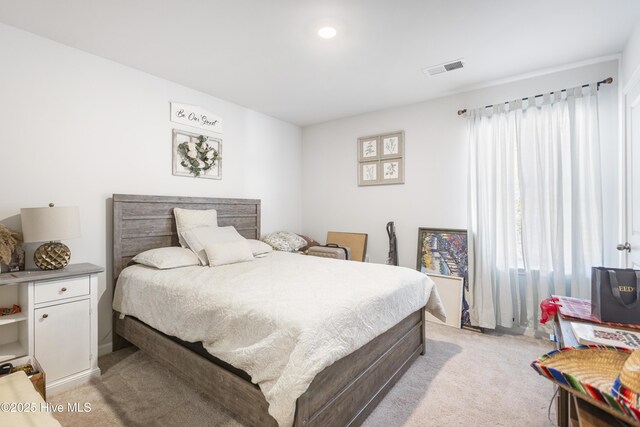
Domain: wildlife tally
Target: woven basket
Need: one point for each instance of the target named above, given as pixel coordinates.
(591, 370)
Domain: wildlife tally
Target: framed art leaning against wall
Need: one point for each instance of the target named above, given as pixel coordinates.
(443, 252)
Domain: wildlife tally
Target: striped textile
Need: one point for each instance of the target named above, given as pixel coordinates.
(580, 309)
(628, 398)
(605, 397)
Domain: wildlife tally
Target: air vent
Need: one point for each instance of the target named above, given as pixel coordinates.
(453, 66)
(444, 68)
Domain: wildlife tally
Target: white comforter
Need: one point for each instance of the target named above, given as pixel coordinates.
(282, 318)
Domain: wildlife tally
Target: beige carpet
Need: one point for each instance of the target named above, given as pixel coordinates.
(466, 378)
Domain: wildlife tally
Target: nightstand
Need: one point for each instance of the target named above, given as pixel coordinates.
(58, 323)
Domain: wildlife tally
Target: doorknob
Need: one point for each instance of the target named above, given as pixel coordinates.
(625, 247)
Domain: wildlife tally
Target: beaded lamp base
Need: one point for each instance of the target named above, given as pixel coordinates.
(52, 256)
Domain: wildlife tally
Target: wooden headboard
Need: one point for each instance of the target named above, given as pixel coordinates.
(141, 222)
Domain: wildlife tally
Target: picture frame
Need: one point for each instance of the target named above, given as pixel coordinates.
(392, 171)
(368, 173)
(181, 136)
(450, 289)
(356, 241)
(368, 149)
(444, 252)
(381, 159)
(392, 145)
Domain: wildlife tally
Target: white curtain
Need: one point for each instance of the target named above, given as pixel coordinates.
(535, 205)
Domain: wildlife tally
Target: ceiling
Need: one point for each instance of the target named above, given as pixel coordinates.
(266, 55)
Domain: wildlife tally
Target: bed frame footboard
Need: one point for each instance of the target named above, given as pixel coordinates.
(343, 394)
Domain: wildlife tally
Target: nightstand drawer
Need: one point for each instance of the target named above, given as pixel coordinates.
(61, 289)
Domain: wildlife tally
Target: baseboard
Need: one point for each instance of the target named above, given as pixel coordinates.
(105, 349)
(70, 382)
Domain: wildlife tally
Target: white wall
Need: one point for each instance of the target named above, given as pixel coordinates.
(631, 55)
(435, 189)
(77, 128)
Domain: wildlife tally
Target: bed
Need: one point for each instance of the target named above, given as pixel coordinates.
(343, 393)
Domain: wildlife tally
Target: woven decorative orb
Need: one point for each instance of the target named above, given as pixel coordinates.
(52, 256)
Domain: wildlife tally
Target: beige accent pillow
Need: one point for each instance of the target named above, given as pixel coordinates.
(186, 219)
(199, 237)
(164, 258)
(258, 247)
(228, 252)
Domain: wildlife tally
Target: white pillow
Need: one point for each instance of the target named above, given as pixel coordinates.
(164, 258)
(228, 252)
(258, 247)
(186, 219)
(199, 237)
(284, 241)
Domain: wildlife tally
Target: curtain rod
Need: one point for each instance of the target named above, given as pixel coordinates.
(606, 81)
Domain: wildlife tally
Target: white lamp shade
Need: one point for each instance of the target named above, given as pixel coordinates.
(49, 224)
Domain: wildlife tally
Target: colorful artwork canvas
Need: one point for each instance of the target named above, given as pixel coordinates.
(444, 252)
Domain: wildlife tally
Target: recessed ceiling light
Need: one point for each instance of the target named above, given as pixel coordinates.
(327, 32)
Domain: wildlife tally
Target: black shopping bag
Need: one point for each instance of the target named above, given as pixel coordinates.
(615, 295)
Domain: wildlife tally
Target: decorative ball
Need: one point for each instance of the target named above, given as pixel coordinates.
(52, 256)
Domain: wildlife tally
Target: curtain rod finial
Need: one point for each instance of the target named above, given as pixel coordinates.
(461, 112)
(608, 80)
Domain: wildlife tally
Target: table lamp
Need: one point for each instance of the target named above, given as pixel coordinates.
(50, 225)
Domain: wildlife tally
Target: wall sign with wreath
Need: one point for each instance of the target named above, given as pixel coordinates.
(197, 155)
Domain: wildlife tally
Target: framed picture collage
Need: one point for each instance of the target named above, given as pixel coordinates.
(381, 159)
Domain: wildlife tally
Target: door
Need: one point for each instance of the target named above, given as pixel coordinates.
(63, 338)
(631, 248)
